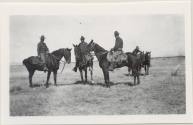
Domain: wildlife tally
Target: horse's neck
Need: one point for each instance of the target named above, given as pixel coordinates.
(58, 56)
(99, 51)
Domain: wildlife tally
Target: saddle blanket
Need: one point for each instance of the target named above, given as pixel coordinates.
(117, 57)
(36, 60)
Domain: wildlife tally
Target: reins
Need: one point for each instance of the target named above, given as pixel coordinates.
(59, 62)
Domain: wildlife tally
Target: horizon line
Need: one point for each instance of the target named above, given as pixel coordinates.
(16, 63)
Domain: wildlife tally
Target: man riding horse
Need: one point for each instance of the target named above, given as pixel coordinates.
(86, 55)
(43, 51)
(116, 54)
(136, 51)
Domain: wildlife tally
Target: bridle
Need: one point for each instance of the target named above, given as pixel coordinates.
(61, 60)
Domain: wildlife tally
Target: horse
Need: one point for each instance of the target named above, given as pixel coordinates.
(101, 54)
(83, 67)
(34, 63)
(146, 62)
(141, 58)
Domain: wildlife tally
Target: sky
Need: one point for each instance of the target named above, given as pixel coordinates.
(163, 35)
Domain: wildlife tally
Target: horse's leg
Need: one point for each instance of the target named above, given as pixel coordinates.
(138, 79)
(48, 77)
(85, 74)
(55, 77)
(145, 68)
(138, 75)
(134, 76)
(81, 75)
(91, 73)
(31, 73)
(134, 80)
(106, 77)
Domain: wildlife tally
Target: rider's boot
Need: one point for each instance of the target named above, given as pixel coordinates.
(75, 69)
(76, 65)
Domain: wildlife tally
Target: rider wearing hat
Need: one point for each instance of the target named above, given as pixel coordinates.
(118, 42)
(42, 51)
(136, 50)
(84, 52)
(117, 49)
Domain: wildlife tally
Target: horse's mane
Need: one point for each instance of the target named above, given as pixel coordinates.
(99, 48)
(57, 52)
(101, 52)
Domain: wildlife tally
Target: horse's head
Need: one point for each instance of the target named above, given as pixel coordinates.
(91, 46)
(77, 52)
(67, 55)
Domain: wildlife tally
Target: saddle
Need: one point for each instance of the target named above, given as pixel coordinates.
(50, 60)
(117, 57)
(36, 60)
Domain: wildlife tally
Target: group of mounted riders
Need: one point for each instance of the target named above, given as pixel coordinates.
(115, 56)
(108, 60)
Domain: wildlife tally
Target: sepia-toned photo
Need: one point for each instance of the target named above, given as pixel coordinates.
(98, 64)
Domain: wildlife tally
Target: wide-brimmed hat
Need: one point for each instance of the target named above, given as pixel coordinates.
(82, 38)
(116, 33)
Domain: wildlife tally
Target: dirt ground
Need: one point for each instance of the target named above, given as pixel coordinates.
(161, 92)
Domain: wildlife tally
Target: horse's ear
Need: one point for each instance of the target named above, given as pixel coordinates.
(74, 45)
(70, 49)
(91, 41)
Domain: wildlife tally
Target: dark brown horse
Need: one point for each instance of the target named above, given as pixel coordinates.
(101, 55)
(140, 58)
(52, 62)
(81, 65)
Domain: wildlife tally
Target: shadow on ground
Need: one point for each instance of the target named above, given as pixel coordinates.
(84, 83)
(103, 84)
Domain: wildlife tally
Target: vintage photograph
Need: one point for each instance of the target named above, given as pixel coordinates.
(96, 63)
(64, 65)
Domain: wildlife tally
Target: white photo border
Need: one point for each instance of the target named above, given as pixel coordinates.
(127, 8)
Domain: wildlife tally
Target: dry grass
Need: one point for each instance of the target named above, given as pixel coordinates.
(158, 93)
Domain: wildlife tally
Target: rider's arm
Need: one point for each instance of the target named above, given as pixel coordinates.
(47, 49)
